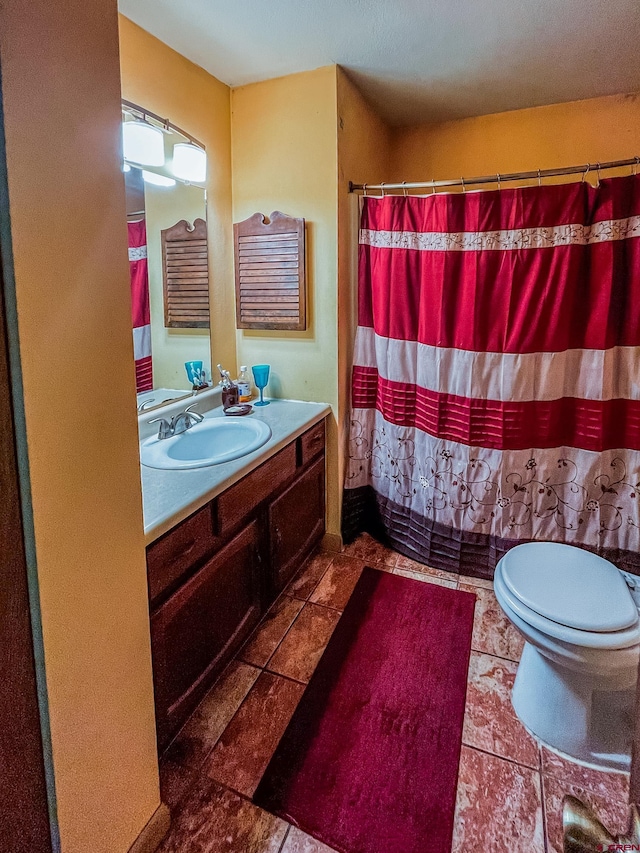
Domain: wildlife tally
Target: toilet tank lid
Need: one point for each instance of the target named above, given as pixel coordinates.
(570, 586)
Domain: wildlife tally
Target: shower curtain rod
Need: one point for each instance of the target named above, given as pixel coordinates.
(493, 179)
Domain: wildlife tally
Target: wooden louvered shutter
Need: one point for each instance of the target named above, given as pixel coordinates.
(270, 273)
(185, 272)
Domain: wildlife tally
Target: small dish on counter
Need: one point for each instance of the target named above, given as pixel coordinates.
(242, 409)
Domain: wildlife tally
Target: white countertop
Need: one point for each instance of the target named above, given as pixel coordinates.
(169, 497)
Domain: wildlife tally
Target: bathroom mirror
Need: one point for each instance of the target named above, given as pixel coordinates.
(156, 201)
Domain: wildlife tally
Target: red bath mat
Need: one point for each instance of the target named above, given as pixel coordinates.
(369, 761)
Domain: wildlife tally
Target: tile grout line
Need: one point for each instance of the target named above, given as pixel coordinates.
(543, 801)
(566, 782)
(326, 606)
(286, 677)
(284, 840)
(282, 639)
(264, 665)
(493, 655)
(542, 798)
(502, 758)
(262, 622)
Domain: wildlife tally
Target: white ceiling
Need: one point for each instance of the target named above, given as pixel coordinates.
(414, 60)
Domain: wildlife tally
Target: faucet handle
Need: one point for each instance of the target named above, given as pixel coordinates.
(165, 430)
(198, 418)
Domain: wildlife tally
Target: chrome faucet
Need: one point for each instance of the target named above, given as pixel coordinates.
(178, 424)
(165, 430)
(185, 420)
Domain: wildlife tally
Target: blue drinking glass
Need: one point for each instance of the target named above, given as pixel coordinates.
(261, 378)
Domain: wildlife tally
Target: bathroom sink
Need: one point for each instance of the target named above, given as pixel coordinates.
(211, 442)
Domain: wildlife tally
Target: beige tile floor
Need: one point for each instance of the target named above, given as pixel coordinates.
(509, 788)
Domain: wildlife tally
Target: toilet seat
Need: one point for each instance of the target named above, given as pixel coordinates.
(620, 639)
(569, 585)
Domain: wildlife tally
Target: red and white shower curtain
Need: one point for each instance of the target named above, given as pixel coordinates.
(496, 379)
(140, 309)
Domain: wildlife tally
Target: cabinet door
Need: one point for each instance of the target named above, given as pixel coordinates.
(296, 523)
(197, 630)
(176, 554)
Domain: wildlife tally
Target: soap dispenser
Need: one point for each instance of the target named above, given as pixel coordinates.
(229, 389)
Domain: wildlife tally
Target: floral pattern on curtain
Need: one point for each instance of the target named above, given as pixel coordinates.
(496, 379)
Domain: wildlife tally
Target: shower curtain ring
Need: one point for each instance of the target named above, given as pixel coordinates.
(598, 170)
(585, 173)
(498, 176)
(539, 178)
(433, 186)
(464, 189)
(404, 189)
(364, 190)
(382, 187)
(635, 165)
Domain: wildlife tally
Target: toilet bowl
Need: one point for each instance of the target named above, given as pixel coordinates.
(575, 684)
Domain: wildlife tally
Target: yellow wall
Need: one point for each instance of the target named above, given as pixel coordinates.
(156, 77)
(285, 158)
(61, 90)
(567, 134)
(364, 142)
(164, 206)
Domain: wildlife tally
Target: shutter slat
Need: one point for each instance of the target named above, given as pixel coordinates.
(268, 258)
(264, 236)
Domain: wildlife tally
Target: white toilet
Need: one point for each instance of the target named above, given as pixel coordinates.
(575, 685)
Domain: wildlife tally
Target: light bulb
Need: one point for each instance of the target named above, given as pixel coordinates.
(143, 143)
(189, 162)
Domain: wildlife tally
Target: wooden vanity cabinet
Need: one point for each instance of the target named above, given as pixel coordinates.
(212, 576)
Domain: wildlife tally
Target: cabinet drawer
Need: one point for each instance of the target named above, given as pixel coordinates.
(173, 555)
(238, 501)
(311, 443)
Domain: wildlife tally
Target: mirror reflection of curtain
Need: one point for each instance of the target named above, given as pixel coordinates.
(140, 304)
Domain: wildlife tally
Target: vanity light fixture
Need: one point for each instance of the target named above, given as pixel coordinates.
(189, 162)
(156, 179)
(143, 143)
